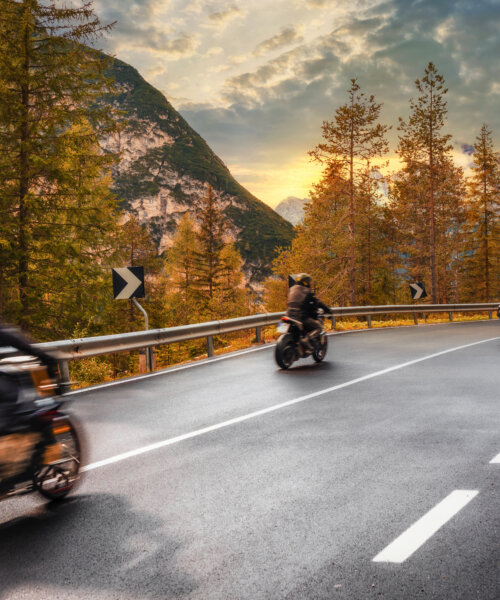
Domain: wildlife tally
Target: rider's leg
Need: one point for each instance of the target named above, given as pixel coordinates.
(313, 331)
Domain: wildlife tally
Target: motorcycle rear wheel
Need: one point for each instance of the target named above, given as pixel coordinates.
(285, 351)
(55, 480)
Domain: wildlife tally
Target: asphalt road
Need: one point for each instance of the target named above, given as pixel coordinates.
(266, 484)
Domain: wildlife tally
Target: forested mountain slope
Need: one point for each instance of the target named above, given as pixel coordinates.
(165, 167)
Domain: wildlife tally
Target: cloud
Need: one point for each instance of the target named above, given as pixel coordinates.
(223, 15)
(183, 45)
(139, 26)
(262, 102)
(289, 35)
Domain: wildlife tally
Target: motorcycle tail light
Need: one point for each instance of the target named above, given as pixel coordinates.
(59, 428)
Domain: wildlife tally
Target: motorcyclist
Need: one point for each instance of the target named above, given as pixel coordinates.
(303, 306)
(8, 386)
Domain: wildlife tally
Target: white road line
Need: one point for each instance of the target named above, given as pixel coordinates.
(416, 535)
(270, 409)
(495, 460)
(235, 354)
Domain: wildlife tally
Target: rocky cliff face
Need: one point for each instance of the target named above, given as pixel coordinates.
(164, 170)
(292, 209)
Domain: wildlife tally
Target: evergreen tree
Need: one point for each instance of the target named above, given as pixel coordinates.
(352, 138)
(211, 229)
(135, 248)
(483, 257)
(230, 298)
(52, 170)
(423, 148)
(410, 211)
(321, 246)
(371, 243)
(180, 262)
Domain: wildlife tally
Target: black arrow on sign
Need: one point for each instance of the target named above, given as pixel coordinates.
(128, 282)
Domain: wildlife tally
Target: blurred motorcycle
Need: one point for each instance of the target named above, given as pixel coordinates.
(289, 347)
(39, 443)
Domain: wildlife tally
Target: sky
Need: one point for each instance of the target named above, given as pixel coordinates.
(257, 78)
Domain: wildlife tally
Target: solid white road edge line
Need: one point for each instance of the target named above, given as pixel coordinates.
(235, 354)
(495, 460)
(275, 407)
(416, 535)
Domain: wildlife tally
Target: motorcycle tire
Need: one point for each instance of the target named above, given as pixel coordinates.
(56, 480)
(284, 353)
(319, 353)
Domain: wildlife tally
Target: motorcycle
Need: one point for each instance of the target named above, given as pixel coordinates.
(290, 348)
(39, 443)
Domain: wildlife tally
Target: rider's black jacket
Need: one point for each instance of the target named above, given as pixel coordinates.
(8, 385)
(10, 337)
(302, 303)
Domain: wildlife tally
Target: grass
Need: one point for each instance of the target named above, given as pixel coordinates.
(91, 371)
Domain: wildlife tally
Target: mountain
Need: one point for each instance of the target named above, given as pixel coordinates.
(165, 167)
(292, 209)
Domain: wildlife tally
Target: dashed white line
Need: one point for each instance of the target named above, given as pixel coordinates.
(270, 409)
(495, 460)
(416, 535)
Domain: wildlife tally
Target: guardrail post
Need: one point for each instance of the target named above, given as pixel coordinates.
(334, 322)
(415, 318)
(210, 345)
(65, 383)
(450, 316)
(258, 334)
(490, 314)
(369, 320)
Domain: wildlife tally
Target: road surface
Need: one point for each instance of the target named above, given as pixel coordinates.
(375, 474)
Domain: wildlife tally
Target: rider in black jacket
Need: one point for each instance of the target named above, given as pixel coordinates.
(303, 306)
(8, 387)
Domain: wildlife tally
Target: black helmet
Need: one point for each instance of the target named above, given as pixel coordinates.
(303, 279)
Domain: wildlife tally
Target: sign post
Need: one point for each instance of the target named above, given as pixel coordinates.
(128, 284)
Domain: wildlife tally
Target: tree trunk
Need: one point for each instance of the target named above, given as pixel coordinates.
(486, 249)
(24, 184)
(351, 221)
(432, 228)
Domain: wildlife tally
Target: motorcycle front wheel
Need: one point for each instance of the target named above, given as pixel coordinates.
(285, 351)
(320, 352)
(59, 468)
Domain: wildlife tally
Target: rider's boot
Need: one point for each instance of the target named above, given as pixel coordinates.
(307, 345)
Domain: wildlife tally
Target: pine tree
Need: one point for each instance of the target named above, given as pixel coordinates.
(321, 246)
(180, 263)
(483, 258)
(212, 227)
(352, 138)
(135, 248)
(181, 258)
(230, 298)
(75, 236)
(52, 170)
(423, 148)
(372, 243)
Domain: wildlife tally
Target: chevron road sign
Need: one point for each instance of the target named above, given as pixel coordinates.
(128, 282)
(417, 290)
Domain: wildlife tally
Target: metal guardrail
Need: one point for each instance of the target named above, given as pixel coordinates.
(124, 342)
(85, 347)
